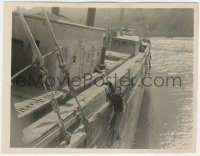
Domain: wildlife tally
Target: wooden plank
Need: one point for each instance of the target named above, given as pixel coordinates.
(26, 91)
(38, 103)
(77, 139)
(54, 133)
(39, 130)
(28, 100)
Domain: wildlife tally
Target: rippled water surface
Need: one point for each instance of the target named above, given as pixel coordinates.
(166, 117)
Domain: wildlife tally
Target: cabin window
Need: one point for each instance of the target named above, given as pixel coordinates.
(123, 43)
(17, 46)
(98, 53)
(88, 56)
(17, 42)
(17, 52)
(74, 59)
(117, 43)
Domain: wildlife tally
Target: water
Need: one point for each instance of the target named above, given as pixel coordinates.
(166, 117)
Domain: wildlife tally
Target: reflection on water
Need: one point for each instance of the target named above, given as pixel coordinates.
(166, 113)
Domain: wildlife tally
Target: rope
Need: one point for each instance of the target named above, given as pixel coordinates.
(21, 71)
(39, 61)
(37, 57)
(30, 65)
(56, 109)
(63, 67)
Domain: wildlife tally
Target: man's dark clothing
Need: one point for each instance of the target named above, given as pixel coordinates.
(117, 102)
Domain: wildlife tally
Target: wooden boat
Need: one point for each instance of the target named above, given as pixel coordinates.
(82, 50)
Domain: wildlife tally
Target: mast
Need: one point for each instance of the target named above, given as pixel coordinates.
(91, 17)
(121, 20)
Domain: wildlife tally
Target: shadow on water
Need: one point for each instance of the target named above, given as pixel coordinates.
(142, 132)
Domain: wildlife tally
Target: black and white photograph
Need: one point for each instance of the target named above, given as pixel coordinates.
(100, 76)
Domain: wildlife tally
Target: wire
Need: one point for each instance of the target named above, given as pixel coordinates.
(27, 67)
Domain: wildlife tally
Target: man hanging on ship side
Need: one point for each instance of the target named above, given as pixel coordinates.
(115, 96)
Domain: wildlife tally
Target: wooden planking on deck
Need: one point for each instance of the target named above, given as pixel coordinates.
(28, 91)
(28, 99)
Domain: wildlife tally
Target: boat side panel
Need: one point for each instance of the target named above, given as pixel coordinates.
(79, 45)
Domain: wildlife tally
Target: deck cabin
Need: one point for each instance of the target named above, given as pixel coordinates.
(122, 47)
(81, 45)
(125, 44)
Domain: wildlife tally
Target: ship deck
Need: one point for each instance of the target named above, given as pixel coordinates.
(29, 101)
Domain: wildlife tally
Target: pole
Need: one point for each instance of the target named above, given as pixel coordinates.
(121, 20)
(36, 52)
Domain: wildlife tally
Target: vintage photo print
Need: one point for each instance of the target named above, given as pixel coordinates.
(99, 77)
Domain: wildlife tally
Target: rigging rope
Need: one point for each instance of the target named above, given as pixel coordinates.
(30, 65)
(63, 68)
(39, 62)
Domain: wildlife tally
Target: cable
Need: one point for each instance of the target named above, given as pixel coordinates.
(27, 67)
(39, 62)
